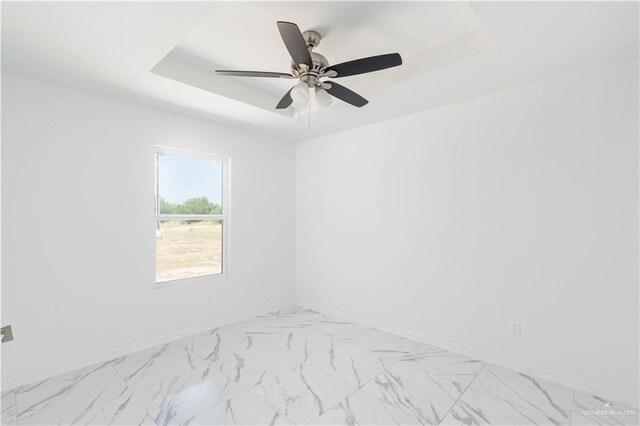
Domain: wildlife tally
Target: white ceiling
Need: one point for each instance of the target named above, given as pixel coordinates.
(244, 36)
(452, 51)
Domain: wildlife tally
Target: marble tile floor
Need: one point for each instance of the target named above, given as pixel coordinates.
(298, 367)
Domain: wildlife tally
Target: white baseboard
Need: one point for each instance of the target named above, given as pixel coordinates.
(608, 393)
(85, 361)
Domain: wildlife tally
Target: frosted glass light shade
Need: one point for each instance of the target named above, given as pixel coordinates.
(300, 93)
(323, 99)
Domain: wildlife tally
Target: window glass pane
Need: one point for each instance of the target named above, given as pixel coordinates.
(188, 248)
(188, 185)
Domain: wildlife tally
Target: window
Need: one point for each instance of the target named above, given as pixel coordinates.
(191, 214)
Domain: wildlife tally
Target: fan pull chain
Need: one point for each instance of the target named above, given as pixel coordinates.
(309, 112)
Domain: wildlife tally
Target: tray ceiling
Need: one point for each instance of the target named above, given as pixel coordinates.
(161, 54)
(428, 35)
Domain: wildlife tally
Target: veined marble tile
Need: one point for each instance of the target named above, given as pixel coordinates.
(122, 411)
(455, 367)
(178, 399)
(593, 410)
(372, 338)
(299, 311)
(426, 396)
(350, 364)
(339, 335)
(360, 408)
(479, 408)
(302, 316)
(339, 326)
(245, 409)
(145, 368)
(256, 366)
(8, 402)
(256, 336)
(396, 349)
(302, 345)
(303, 394)
(52, 400)
(293, 310)
(218, 344)
(265, 321)
(550, 400)
(264, 330)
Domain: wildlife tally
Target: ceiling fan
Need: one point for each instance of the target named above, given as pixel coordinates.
(310, 67)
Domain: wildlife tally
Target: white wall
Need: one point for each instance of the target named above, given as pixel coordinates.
(518, 205)
(78, 235)
(449, 223)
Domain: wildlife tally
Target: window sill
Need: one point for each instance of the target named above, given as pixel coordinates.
(201, 279)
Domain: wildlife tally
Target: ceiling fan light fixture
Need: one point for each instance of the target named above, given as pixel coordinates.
(323, 99)
(311, 67)
(300, 93)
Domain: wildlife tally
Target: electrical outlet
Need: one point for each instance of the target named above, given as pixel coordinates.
(209, 299)
(515, 328)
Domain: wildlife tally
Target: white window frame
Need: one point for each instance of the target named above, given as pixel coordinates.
(224, 217)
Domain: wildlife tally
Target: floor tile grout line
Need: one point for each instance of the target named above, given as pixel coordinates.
(244, 388)
(15, 404)
(573, 403)
(385, 404)
(368, 381)
(462, 393)
(133, 393)
(348, 343)
(380, 358)
(210, 365)
(116, 375)
(245, 391)
(300, 363)
(531, 407)
(146, 410)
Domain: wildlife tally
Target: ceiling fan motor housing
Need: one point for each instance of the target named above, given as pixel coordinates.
(311, 75)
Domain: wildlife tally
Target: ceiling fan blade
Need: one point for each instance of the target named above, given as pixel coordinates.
(286, 100)
(234, 73)
(346, 95)
(365, 65)
(295, 43)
